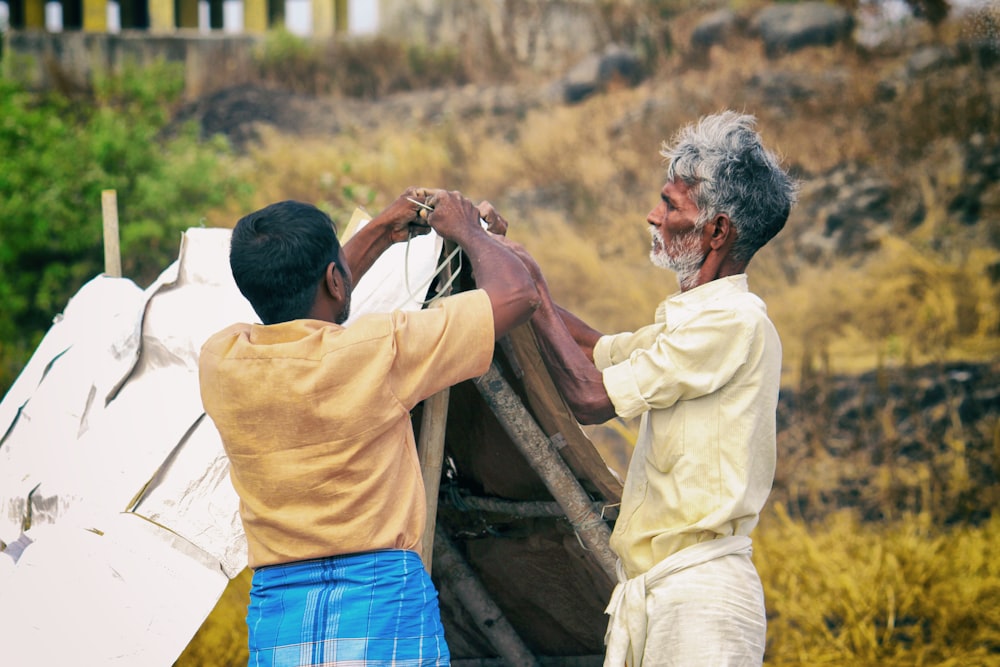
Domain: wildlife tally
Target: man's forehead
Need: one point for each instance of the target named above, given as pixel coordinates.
(675, 188)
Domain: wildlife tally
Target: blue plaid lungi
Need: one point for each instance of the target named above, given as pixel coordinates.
(377, 608)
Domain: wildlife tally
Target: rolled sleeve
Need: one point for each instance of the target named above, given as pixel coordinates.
(655, 367)
(602, 352)
(623, 390)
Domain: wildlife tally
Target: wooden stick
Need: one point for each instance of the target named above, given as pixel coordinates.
(430, 449)
(112, 250)
(538, 449)
(458, 576)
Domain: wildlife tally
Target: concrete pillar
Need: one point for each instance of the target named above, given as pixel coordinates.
(95, 15)
(255, 16)
(340, 22)
(187, 14)
(324, 17)
(161, 16)
(34, 13)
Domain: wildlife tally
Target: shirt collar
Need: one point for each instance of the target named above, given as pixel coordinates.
(284, 332)
(697, 298)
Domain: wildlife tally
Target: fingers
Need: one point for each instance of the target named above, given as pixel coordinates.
(495, 223)
(449, 200)
(412, 205)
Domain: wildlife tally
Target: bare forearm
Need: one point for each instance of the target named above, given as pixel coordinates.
(397, 223)
(584, 335)
(366, 246)
(570, 362)
(503, 277)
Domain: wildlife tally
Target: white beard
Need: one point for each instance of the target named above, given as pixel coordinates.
(682, 255)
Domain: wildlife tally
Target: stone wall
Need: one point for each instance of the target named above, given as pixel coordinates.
(546, 34)
(69, 59)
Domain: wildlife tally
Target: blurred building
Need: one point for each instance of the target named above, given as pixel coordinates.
(304, 17)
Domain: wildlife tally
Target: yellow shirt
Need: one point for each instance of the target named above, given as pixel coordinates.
(705, 378)
(315, 419)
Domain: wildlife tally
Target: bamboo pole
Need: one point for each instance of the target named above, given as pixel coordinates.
(545, 460)
(455, 574)
(430, 448)
(112, 250)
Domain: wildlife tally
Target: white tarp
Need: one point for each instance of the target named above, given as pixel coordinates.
(107, 458)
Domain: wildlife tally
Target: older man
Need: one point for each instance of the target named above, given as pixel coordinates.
(704, 378)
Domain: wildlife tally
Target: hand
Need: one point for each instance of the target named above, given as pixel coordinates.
(496, 224)
(454, 216)
(405, 218)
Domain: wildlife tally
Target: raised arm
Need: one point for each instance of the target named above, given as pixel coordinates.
(496, 268)
(566, 344)
(401, 219)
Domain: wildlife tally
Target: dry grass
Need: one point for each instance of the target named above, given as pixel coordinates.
(842, 592)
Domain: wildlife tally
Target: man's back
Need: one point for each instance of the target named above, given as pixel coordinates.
(315, 420)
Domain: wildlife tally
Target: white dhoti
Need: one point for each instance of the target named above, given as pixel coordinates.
(702, 606)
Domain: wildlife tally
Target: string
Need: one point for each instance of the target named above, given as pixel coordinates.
(444, 263)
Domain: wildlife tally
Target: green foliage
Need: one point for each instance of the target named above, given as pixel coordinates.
(65, 152)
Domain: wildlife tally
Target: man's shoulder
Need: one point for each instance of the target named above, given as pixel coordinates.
(225, 337)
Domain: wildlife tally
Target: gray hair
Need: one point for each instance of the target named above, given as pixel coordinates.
(722, 160)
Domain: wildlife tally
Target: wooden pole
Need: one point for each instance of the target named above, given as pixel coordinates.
(112, 251)
(430, 448)
(454, 573)
(529, 438)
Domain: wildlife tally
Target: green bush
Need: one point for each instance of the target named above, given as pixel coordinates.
(60, 154)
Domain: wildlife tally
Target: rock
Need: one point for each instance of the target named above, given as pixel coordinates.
(842, 214)
(886, 28)
(718, 28)
(779, 88)
(596, 71)
(929, 58)
(787, 28)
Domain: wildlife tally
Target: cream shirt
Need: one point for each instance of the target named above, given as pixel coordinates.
(705, 379)
(315, 419)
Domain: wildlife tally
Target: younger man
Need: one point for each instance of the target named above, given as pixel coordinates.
(315, 419)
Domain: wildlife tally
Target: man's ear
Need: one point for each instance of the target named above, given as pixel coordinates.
(330, 278)
(333, 281)
(723, 233)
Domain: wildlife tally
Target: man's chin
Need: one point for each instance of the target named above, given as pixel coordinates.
(660, 260)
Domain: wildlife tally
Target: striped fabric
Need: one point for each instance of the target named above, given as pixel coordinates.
(377, 608)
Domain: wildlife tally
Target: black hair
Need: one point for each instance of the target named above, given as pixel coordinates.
(278, 256)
